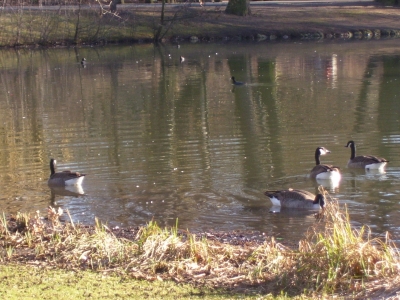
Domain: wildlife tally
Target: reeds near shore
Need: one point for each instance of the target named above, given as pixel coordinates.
(333, 258)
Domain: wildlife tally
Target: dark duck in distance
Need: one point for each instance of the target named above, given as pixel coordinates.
(234, 82)
(83, 62)
(63, 178)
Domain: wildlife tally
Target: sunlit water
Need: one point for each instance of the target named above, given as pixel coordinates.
(162, 140)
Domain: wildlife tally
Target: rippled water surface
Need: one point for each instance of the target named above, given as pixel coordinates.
(163, 139)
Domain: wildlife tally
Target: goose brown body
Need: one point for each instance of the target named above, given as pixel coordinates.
(65, 177)
(364, 161)
(296, 199)
(323, 171)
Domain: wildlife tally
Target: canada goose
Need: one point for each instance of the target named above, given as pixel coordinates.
(236, 82)
(368, 162)
(296, 199)
(83, 61)
(181, 58)
(63, 178)
(322, 171)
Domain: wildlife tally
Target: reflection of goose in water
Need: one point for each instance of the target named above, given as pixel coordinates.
(65, 177)
(66, 191)
(71, 190)
(322, 171)
(296, 199)
(373, 172)
(368, 162)
(330, 184)
(293, 213)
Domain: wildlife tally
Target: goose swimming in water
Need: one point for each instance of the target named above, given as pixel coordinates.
(65, 177)
(322, 171)
(296, 199)
(368, 162)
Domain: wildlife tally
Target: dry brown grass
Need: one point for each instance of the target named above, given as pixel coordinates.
(334, 258)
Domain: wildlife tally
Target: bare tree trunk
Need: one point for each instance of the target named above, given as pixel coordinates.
(77, 26)
(238, 7)
(113, 6)
(161, 25)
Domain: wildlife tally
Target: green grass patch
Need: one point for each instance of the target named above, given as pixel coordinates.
(29, 282)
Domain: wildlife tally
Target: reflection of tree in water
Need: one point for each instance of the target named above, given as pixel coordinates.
(388, 105)
(371, 192)
(258, 117)
(363, 103)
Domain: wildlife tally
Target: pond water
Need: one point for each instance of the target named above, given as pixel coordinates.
(160, 139)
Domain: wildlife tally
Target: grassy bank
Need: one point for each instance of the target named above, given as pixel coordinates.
(28, 282)
(54, 26)
(334, 259)
(66, 27)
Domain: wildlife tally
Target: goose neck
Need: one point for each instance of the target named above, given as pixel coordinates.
(52, 167)
(353, 151)
(317, 155)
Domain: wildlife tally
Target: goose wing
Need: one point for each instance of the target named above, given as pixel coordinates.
(375, 158)
(368, 159)
(66, 175)
(283, 195)
(65, 178)
(71, 174)
(292, 198)
(318, 169)
(298, 199)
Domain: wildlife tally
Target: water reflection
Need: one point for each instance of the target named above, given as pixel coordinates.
(332, 185)
(165, 140)
(294, 213)
(67, 191)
